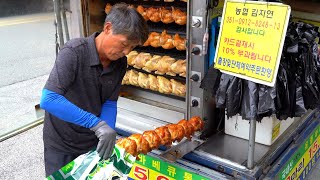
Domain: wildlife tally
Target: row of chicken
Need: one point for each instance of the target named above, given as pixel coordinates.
(157, 14)
(154, 83)
(166, 41)
(158, 64)
(165, 136)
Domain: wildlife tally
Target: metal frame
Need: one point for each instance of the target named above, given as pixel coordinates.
(197, 59)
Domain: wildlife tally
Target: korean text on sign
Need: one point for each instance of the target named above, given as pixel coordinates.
(251, 39)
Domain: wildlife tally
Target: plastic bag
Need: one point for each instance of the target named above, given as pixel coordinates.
(89, 167)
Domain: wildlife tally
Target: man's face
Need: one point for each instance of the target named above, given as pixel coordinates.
(116, 46)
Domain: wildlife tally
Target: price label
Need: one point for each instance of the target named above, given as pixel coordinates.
(140, 173)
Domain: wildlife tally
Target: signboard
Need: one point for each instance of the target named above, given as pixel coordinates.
(151, 168)
(251, 39)
(303, 159)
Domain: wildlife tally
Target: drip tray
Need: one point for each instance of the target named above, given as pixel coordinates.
(232, 148)
(178, 151)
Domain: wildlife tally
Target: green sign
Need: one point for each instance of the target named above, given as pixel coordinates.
(307, 152)
(152, 168)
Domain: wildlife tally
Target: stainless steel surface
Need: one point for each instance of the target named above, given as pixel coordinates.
(164, 114)
(132, 122)
(178, 151)
(224, 162)
(231, 148)
(163, 101)
(197, 62)
(252, 140)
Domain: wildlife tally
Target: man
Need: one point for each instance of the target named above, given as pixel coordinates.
(80, 95)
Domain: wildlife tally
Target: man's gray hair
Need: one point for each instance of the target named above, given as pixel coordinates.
(127, 21)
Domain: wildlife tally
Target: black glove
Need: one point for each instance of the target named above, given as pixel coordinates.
(107, 139)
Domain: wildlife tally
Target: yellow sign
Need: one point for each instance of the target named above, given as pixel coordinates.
(251, 39)
(275, 131)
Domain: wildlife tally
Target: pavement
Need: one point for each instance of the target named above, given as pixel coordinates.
(22, 156)
(27, 54)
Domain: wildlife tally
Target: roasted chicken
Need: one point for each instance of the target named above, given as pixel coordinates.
(133, 77)
(178, 88)
(152, 64)
(131, 56)
(143, 80)
(176, 131)
(153, 81)
(166, 15)
(141, 59)
(153, 40)
(165, 136)
(179, 42)
(153, 14)
(142, 143)
(178, 67)
(164, 64)
(165, 86)
(160, 64)
(197, 123)
(125, 80)
(152, 138)
(143, 12)
(179, 16)
(166, 40)
(188, 128)
(107, 9)
(129, 145)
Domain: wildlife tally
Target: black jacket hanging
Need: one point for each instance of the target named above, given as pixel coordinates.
(234, 97)
(249, 105)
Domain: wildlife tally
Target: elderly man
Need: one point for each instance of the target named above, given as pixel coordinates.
(80, 95)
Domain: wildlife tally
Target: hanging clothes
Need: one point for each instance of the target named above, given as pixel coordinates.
(234, 96)
(249, 105)
(266, 106)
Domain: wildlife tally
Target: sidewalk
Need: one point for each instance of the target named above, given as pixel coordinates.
(22, 156)
(17, 103)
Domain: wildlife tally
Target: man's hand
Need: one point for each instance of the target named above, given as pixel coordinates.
(107, 139)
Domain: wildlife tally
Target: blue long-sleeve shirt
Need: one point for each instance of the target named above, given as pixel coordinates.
(62, 108)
